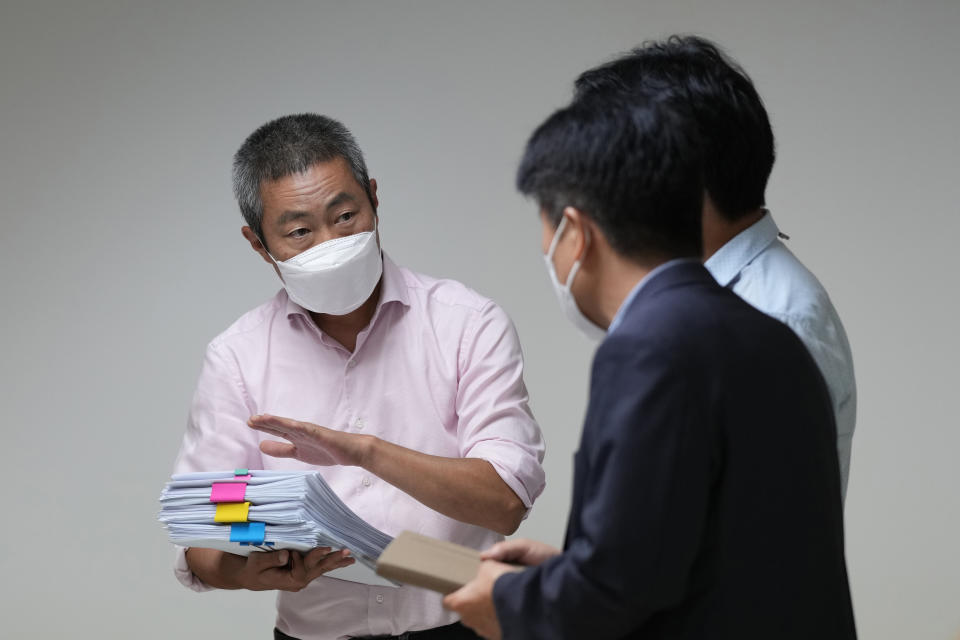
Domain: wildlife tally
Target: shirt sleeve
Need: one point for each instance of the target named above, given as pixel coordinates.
(217, 435)
(643, 447)
(494, 419)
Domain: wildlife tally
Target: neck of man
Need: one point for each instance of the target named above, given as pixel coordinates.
(345, 329)
(618, 278)
(718, 231)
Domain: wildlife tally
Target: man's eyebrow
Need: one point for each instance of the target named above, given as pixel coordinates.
(288, 216)
(340, 198)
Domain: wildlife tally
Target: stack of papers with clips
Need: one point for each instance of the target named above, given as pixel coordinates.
(243, 511)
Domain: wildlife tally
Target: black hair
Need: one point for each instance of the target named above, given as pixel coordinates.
(632, 166)
(734, 128)
(287, 146)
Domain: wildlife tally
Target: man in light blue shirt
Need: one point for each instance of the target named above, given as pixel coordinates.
(742, 246)
(759, 268)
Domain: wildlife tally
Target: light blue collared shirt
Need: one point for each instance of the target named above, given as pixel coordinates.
(617, 319)
(760, 269)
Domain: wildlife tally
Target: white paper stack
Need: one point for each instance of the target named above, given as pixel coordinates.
(243, 511)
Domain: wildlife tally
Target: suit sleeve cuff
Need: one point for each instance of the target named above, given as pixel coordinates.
(505, 601)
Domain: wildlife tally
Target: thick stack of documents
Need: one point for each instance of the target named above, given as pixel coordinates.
(243, 511)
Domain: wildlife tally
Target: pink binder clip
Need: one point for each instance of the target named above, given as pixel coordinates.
(228, 491)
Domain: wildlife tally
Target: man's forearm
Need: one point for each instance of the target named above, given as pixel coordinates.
(216, 568)
(465, 489)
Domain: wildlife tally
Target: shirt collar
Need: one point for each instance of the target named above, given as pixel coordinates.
(617, 319)
(392, 289)
(740, 251)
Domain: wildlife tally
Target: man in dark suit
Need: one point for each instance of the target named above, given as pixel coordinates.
(706, 488)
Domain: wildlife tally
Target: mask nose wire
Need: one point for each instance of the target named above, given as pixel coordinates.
(376, 228)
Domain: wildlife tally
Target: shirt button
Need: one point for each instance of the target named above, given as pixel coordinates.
(351, 364)
(366, 483)
(359, 423)
(379, 598)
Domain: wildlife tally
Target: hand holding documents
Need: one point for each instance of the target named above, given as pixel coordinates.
(243, 511)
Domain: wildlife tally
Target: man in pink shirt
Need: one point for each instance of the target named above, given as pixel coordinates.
(417, 383)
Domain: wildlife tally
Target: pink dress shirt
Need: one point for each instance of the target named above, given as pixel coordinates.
(438, 369)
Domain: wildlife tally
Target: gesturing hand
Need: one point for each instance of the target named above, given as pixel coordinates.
(310, 443)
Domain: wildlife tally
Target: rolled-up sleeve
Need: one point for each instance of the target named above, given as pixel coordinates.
(494, 418)
(217, 435)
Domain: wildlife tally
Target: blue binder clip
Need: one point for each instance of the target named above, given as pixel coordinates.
(250, 534)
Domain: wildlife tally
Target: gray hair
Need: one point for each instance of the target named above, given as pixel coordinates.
(286, 146)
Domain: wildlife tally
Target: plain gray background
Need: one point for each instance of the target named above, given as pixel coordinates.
(122, 257)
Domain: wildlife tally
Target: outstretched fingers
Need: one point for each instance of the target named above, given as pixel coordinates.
(278, 449)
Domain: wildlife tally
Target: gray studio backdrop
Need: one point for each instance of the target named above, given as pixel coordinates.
(121, 255)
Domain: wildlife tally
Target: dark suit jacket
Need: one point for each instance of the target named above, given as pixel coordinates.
(706, 499)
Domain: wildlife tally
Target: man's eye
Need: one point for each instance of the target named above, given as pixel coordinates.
(298, 233)
(344, 217)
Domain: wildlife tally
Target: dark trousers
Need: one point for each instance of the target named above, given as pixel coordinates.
(455, 631)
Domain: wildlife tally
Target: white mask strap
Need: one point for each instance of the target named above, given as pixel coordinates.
(553, 248)
(556, 238)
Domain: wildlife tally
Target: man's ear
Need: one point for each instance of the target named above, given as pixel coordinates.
(373, 194)
(255, 243)
(579, 231)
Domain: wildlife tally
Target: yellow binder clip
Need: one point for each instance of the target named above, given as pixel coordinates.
(232, 512)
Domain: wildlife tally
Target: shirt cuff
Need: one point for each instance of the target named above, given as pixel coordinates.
(182, 571)
(522, 474)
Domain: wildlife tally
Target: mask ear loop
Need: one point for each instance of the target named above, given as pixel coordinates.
(553, 247)
(556, 238)
(263, 243)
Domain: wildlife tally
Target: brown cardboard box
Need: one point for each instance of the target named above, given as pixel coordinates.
(429, 563)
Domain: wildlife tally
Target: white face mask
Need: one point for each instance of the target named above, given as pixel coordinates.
(567, 301)
(336, 276)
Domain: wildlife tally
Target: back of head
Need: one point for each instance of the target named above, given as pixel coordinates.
(632, 166)
(287, 146)
(738, 144)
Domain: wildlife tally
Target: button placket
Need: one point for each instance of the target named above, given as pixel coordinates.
(381, 608)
